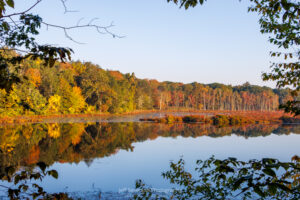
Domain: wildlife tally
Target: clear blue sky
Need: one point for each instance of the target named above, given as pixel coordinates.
(217, 42)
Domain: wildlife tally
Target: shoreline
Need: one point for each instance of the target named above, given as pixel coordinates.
(40, 118)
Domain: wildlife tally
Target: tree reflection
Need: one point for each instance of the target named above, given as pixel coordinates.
(25, 146)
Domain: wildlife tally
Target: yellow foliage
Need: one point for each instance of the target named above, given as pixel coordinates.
(79, 67)
(78, 102)
(200, 106)
(8, 140)
(90, 109)
(12, 104)
(2, 101)
(54, 130)
(38, 62)
(2, 93)
(72, 110)
(27, 132)
(76, 132)
(54, 103)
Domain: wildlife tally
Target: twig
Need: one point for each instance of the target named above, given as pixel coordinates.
(65, 7)
(22, 13)
(99, 29)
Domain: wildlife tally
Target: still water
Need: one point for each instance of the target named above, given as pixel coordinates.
(111, 154)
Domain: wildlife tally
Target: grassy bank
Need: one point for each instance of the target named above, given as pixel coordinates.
(41, 118)
(203, 116)
(224, 118)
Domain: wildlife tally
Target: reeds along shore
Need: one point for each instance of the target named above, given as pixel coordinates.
(40, 118)
(207, 116)
(228, 119)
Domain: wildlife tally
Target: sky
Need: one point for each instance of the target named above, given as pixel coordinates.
(217, 42)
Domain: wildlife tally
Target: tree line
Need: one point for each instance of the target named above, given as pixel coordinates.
(83, 87)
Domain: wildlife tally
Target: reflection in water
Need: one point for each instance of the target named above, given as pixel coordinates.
(26, 145)
(61, 145)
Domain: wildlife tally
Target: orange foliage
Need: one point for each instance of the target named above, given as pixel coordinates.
(64, 66)
(34, 76)
(116, 74)
(34, 155)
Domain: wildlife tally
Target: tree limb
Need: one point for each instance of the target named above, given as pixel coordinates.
(22, 13)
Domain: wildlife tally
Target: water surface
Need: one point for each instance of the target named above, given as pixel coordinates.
(109, 155)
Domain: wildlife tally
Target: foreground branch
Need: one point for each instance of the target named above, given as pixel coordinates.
(99, 29)
(24, 12)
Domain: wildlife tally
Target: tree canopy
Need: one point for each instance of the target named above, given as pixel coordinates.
(77, 87)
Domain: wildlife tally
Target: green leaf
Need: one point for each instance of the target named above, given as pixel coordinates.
(17, 179)
(53, 173)
(42, 166)
(269, 172)
(10, 3)
(6, 26)
(258, 191)
(237, 183)
(283, 187)
(35, 176)
(23, 187)
(9, 171)
(272, 188)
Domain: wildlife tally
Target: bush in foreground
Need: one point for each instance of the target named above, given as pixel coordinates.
(231, 179)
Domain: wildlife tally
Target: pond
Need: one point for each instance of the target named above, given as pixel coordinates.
(110, 154)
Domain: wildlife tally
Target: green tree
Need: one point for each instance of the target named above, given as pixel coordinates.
(71, 99)
(25, 99)
(94, 83)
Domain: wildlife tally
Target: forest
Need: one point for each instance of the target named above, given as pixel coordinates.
(83, 87)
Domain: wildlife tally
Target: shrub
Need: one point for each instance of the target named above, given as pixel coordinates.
(170, 119)
(194, 118)
(290, 120)
(235, 120)
(221, 120)
(231, 179)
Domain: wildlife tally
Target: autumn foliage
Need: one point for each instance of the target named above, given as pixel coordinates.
(85, 88)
